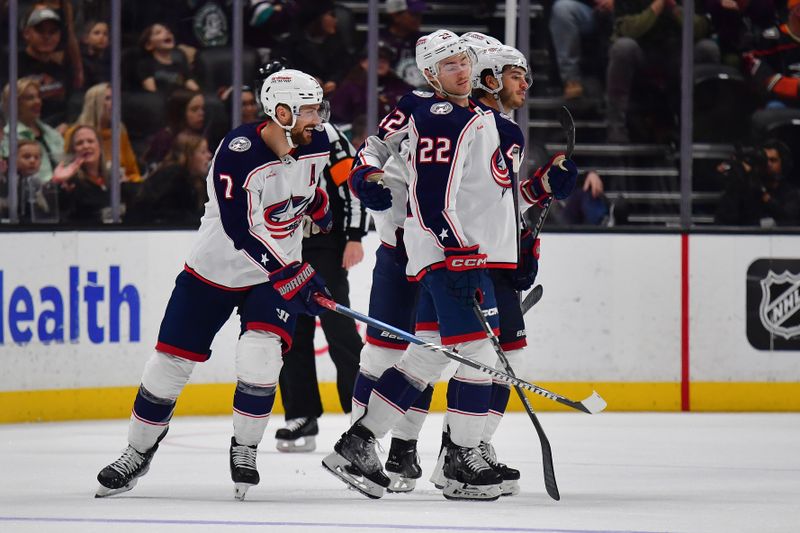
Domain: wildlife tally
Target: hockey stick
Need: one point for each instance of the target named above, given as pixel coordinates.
(531, 299)
(568, 125)
(547, 454)
(592, 405)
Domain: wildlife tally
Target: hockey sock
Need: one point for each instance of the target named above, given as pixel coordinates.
(392, 396)
(149, 418)
(410, 425)
(498, 402)
(467, 407)
(252, 406)
(361, 391)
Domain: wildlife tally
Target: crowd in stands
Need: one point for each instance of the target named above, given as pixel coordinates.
(176, 79)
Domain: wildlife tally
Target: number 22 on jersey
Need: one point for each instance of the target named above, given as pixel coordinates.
(433, 150)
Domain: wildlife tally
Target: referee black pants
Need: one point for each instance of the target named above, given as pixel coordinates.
(298, 380)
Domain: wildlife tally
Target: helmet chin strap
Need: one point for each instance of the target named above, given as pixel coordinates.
(288, 131)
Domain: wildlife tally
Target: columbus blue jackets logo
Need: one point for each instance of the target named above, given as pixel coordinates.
(239, 144)
(780, 304)
(441, 108)
(500, 170)
(284, 217)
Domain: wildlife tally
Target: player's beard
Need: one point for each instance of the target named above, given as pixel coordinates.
(299, 138)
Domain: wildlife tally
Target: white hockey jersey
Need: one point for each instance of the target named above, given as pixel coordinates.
(459, 188)
(252, 223)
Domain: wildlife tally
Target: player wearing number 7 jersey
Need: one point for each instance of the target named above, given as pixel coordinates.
(247, 256)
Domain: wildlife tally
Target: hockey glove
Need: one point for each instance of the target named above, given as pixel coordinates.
(364, 182)
(528, 265)
(464, 266)
(556, 178)
(320, 212)
(298, 283)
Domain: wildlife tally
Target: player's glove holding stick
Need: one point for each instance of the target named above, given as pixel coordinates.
(556, 178)
(297, 283)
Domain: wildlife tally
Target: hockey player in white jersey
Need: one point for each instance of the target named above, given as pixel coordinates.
(501, 80)
(459, 223)
(378, 179)
(247, 256)
(379, 176)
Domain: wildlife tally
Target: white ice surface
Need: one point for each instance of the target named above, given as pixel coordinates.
(616, 472)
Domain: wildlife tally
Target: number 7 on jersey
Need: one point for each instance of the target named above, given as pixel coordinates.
(228, 185)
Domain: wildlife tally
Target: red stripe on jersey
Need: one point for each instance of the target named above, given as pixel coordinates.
(194, 273)
(180, 352)
(280, 332)
(399, 345)
(514, 345)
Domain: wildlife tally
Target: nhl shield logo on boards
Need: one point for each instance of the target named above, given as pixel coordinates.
(441, 108)
(773, 304)
(239, 144)
(780, 304)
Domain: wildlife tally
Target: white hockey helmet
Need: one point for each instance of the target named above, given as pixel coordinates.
(478, 40)
(436, 46)
(496, 59)
(293, 89)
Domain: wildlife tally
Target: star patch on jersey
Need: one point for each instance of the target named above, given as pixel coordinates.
(239, 144)
(423, 94)
(441, 108)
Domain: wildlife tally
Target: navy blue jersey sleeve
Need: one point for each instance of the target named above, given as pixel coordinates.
(439, 150)
(237, 190)
(392, 130)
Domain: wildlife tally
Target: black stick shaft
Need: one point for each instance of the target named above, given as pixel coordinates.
(547, 454)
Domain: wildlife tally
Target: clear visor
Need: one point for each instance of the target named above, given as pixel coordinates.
(458, 63)
(321, 112)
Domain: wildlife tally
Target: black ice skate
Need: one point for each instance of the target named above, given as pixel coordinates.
(355, 461)
(123, 474)
(243, 468)
(468, 476)
(298, 435)
(403, 465)
(510, 476)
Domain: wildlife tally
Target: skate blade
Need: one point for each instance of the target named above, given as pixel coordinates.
(103, 492)
(455, 490)
(240, 490)
(437, 476)
(400, 483)
(509, 488)
(337, 465)
(301, 445)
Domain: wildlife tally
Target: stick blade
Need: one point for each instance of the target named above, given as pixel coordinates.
(532, 299)
(594, 404)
